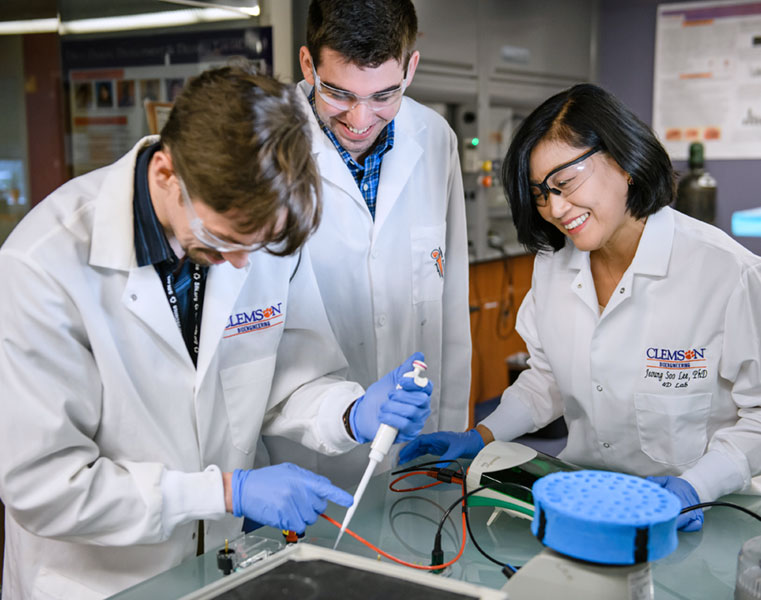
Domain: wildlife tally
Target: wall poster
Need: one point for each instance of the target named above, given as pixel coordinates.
(120, 87)
(707, 78)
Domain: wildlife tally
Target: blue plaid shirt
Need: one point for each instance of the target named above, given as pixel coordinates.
(368, 176)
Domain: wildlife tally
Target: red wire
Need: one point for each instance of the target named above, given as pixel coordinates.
(422, 487)
(399, 560)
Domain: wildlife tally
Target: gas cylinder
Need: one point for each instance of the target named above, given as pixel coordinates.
(696, 192)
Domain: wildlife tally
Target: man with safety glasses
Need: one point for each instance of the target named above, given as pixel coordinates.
(390, 253)
(158, 316)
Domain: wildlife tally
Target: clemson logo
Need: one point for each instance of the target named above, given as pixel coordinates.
(267, 312)
(438, 258)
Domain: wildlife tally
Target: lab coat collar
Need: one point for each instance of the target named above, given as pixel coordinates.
(113, 235)
(399, 163)
(223, 285)
(653, 252)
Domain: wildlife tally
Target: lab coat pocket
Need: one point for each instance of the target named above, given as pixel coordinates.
(428, 246)
(673, 430)
(246, 389)
(51, 585)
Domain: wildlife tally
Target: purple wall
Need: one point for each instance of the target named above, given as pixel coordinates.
(626, 59)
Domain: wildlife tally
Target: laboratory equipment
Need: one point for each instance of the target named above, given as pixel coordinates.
(748, 584)
(601, 530)
(307, 571)
(381, 444)
(509, 462)
(696, 192)
(245, 550)
(747, 223)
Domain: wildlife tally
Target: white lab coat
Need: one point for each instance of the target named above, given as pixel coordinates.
(667, 381)
(100, 398)
(383, 293)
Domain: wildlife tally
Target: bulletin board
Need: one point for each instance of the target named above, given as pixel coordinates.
(121, 88)
(707, 78)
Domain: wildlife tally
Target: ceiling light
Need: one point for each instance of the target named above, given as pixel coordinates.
(248, 7)
(28, 26)
(172, 18)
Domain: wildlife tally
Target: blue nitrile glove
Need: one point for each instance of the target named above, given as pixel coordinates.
(682, 489)
(450, 445)
(406, 409)
(284, 496)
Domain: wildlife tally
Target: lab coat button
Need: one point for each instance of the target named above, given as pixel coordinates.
(605, 445)
(622, 290)
(133, 297)
(382, 320)
(578, 286)
(599, 388)
(374, 253)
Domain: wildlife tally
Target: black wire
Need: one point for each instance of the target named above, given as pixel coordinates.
(728, 504)
(452, 535)
(425, 464)
(465, 510)
(505, 566)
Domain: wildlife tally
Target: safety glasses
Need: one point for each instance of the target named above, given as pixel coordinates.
(565, 179)
(203, 235)
(345, 101)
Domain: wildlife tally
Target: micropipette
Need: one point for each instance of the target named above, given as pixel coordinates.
(384, 439)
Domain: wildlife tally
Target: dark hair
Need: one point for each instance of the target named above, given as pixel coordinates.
(240, 141)
(586, 116)
(366, 33)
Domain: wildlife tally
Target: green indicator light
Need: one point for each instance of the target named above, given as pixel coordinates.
(474, 141)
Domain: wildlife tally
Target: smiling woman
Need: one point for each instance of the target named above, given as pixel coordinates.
(647, 383)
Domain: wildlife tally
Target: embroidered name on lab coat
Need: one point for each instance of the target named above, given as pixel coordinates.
(676, 368)
(257, 319)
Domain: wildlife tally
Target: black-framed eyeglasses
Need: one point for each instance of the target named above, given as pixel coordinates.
(564, 179)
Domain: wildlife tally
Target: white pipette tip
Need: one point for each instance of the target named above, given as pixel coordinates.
(343, 527)
(357, 497)
(384, 439)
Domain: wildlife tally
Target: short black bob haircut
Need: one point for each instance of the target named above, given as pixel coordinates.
(586, 116)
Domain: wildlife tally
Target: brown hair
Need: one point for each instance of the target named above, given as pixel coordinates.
(240, 141)
(366, 33)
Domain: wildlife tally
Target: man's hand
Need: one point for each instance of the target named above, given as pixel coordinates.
(283, 496)
(406, 409)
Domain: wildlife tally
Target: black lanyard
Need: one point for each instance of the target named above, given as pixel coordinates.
(191, 332)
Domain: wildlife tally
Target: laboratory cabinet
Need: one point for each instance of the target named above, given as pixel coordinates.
(497, 288)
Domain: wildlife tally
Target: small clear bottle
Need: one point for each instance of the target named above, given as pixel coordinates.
(696, 192)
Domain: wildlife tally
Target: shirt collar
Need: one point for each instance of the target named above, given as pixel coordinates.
(151, 244)
(384, 143)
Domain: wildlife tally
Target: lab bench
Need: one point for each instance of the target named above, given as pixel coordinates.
(404, 524)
